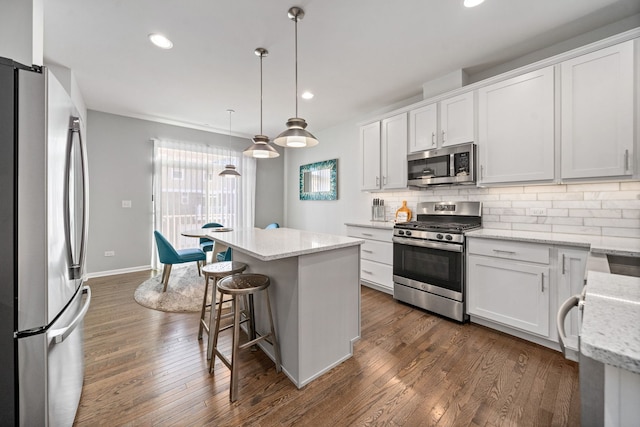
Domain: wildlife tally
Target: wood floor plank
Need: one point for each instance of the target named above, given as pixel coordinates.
(410, 368)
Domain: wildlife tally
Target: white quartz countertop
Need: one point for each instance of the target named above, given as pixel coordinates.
(611, 320)
(277, 243)
(598, 244)
(385, 225)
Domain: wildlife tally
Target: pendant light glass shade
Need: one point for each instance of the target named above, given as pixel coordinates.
(229, 170)
(296, 136)
(260, 149)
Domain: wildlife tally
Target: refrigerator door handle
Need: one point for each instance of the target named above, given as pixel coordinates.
(75, 268)
(59, 335)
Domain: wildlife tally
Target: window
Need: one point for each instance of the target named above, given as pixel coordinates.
(188, 192)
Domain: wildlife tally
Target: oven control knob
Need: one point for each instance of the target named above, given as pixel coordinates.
(400, 233)
(448, 237)
(408, 233)
(439, 236)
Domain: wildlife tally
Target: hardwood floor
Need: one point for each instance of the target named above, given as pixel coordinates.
(145, 367)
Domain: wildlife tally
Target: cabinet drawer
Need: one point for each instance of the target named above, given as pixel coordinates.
(381, 234)
(519, 251)
(375, 272)
(377, 251)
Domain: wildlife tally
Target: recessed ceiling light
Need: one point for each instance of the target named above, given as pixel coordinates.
(161, 41)
(307, 95)
(472, 3)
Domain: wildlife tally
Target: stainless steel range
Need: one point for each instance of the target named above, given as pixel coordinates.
(429, 257)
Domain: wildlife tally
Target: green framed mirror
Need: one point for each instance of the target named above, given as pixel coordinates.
(319, 181)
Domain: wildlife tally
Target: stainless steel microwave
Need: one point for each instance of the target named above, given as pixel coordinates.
(448, 165)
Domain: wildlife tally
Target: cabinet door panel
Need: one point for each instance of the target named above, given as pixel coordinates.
(457, 120)
(516, 129)
(370, 152)
(597, 113)
(514, 294)
(423, 128)
(394, 152)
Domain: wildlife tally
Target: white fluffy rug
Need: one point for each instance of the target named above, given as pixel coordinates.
(184, 292)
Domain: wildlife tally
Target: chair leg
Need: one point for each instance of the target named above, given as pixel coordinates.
(213, 344)
(204, 307)
(199, 271)
(165, 276)
(233, 392)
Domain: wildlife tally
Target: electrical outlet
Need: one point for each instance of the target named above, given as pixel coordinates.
(109, 253)
(537, 211)
(126, 203)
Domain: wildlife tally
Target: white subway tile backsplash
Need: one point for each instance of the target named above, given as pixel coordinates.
(532, 204)
(609, 208)
(506, 190)
(520, 196)
(560, 220)
(576, 229)
(498, 225)
(612, 222)
(625, 186)
(563, 204)
(519, 218)
(596, 213)
(532, 227)
(560, 196)
(557, 212)
(605, 186)
(621, 204)
(621, 232)
(546, 189)
(631, 213)
(507, 211)
(611, 195)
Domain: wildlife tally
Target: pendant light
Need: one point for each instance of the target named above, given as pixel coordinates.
(229, 170)
(260, 149)
(296, 136)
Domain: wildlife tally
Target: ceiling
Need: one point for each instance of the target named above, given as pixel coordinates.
(356, 56)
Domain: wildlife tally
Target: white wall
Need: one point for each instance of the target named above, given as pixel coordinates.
(120, 168)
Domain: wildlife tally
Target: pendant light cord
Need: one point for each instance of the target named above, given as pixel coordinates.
(296, 65)
(261, 56)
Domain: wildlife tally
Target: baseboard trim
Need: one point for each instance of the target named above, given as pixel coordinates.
(119, 271)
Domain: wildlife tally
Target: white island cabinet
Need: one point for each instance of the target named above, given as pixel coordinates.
(315, 294)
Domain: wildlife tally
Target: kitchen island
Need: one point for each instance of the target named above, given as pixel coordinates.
(315, 294)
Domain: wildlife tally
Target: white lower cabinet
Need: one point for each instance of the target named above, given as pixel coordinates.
(517, 287)
(510, 292)
(376, 256)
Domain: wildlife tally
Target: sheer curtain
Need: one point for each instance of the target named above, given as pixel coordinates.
(188, 193)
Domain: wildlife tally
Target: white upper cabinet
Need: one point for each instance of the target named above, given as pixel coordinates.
(370, 152)
(383, 147)
(516, 129)
(423, 128)
(454, 127)
(456, 120)
(597, 113)
(394, 152)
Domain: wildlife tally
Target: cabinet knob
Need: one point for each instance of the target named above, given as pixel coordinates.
(433, 138)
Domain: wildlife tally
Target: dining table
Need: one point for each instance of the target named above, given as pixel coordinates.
(209, 233)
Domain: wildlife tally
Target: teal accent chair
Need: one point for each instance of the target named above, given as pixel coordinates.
(272, 225)
(207, 244)
(169, 256)
(224, 256)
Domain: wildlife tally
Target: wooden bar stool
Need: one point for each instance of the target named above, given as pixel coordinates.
(215, 271)
(235, 286)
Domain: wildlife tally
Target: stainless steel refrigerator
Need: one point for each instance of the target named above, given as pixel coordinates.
(43, 223)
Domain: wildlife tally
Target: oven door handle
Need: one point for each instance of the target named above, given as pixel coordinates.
(427, 244)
